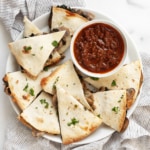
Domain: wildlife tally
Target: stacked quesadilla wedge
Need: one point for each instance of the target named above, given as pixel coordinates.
(64, 18)
(129, 77)
(33, 52)
(65, 76)
(42, 115)
(111, 107)
(30, 30)
(22, 88)
(76, 122)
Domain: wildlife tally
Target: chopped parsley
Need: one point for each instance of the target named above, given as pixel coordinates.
(55, 43)
(99, 115)
(31, 92)
(27, 48)
(46, 68)
(115, 109)
(43, 101)
(120, 98)
(26, 87)
(94, 78)
(54, 85)
(113, 83)
(41, 47)
(74, 121)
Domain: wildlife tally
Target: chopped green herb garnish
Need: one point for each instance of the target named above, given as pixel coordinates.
(99, 115)
(55, 43)
(27, 48)
(46, 104)
(43, 101)
(26, 87)
(46, 68)
(54, 85)
(74, 121)
(41, 47)
(120, 98)
(113, 83)
(31, 92)
(94, 78)
(115, 109)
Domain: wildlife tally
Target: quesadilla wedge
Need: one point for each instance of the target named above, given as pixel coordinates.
(22, 89)
(30, 29)
(32, 53)
(111, 107)
(64, 18)
(65, 76)
(76, 122)
(42, 115)
(128, 77)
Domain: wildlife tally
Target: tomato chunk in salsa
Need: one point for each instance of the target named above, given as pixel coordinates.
(99, 48)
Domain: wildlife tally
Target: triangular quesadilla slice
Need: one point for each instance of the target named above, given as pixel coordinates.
(30, 29)
(128, 77)
(22, 88)
(76, 122)
(64, 18)
(111, 107)
(65, 76)
(42, 115)
(33, 52)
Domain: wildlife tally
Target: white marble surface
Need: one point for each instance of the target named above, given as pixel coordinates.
(134, 15)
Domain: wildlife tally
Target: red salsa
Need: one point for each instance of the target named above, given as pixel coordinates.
(99, 48)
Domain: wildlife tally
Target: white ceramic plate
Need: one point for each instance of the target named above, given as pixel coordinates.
(133, 54)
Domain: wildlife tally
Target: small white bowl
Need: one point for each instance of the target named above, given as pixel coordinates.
(103, 47)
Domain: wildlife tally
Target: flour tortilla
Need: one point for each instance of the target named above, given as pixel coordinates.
(40, 48)
(65, 18)
(105, 104)
(21, 87)
(42, 115)
(129, 76)
(30, 28)
(65, 76)
(70, 109)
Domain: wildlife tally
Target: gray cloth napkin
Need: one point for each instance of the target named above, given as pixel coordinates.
(137, 135)
(12, 11)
